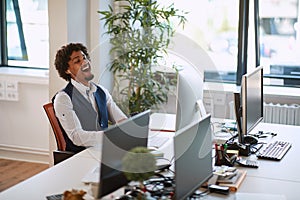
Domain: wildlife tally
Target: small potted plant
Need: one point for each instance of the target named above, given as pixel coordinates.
(139, 165)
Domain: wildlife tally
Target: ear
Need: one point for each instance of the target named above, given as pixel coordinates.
(68, 72)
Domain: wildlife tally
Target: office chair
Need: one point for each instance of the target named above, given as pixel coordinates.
(60, 154)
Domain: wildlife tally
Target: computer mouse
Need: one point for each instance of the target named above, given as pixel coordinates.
(250, 140)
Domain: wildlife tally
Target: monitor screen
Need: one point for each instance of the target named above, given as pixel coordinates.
(252, 99)
(117, 141)
(193, 157)
(189, 91)
(249, 104)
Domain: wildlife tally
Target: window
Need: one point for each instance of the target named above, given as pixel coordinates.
(279, 41)
(215, 25)
(24, 36)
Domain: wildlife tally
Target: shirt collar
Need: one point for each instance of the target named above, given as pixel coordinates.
(82, 88)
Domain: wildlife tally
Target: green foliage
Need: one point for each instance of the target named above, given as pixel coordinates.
(140, 35)
(139, 164)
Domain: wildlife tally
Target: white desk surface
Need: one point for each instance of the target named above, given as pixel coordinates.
(288, 168)
(55, 180)
(278, 179)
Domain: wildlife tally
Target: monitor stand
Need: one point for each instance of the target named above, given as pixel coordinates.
(244, 143)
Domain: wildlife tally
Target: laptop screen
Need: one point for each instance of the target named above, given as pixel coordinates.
(193, 157)
(117, 141)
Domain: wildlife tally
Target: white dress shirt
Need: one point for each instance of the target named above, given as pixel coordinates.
(68, 119)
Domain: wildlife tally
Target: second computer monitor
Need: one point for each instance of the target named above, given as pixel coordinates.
(189, 92)
(252, 99)
(193, 157)
(117, 141)
(249, 103)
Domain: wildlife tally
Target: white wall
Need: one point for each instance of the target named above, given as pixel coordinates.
(24, 126)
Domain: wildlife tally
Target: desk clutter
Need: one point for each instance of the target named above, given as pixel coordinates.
(230, 177)
(229, 157)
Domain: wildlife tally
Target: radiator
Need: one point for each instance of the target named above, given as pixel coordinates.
(277, 113)
(282, 113)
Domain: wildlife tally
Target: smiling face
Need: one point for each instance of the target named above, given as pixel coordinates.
(80, 68)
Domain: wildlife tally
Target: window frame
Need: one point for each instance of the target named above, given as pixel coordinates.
(3, 34)
(243, 50)
(3, 37)
(20, 30)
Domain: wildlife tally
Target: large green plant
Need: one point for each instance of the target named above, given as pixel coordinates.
(140, 34)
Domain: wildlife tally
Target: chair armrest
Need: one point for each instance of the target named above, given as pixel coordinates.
(60, 156)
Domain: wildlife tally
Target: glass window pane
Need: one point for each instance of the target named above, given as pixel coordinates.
(213, 25)
(13, 40)
(279, 40)
(31, 50)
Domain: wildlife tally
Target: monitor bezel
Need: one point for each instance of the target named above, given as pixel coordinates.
(182, 137)
(116, 179)
(245, 96)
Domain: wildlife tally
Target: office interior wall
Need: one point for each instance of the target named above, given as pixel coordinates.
(24, 128)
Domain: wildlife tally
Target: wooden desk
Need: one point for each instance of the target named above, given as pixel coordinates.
(281, 179)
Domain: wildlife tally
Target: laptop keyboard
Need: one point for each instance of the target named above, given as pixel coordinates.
(275, 150)
(55, 197)
(157, 141)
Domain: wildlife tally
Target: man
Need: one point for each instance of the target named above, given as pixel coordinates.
(83, 108)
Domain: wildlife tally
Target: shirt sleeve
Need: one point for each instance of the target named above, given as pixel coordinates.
(115, 114)
(69, 121)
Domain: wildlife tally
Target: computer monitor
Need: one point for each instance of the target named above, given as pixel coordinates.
(117, 141)
(193, 157)
(189, 92)
(249, 111)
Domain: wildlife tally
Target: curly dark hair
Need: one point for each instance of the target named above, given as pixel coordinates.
(63, 56)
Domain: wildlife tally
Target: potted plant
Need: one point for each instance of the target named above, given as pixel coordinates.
(140, 33)
(139, 165)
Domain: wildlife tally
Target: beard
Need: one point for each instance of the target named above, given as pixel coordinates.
(88, 78)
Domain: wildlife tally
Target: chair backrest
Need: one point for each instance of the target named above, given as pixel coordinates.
(60, 140)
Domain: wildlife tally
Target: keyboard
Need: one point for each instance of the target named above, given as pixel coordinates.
(55, 197)
(274, 150)
(157, 141)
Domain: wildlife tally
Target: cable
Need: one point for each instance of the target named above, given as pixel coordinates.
(224, 130)
(160, 185)
(230, 140)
